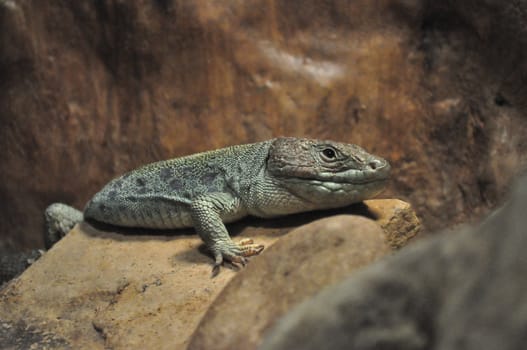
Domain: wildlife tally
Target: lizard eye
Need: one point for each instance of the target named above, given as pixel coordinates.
(329, 153)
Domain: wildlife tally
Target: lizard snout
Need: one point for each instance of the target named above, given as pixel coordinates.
(378, 163)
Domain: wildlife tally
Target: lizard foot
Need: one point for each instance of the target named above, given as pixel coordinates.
(236, 254)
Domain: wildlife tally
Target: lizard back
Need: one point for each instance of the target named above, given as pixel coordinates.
(158, 195)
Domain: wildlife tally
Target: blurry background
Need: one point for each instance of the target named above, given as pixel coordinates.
(91, 89)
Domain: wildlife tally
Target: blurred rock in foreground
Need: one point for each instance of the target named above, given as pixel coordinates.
(458, 291)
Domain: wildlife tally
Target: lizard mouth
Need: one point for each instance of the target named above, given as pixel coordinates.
(337, 185)
(351, 177)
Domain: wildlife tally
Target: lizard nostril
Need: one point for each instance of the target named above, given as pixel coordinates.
(376, 164)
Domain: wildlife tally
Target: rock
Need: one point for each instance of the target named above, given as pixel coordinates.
(396, 218)
(11, 265)
(91, 89)
(457, 291)
(98, 289)
(300, 264)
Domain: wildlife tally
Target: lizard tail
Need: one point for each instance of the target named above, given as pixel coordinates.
(59, 219)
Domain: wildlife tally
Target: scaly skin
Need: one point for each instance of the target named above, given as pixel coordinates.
(266, 179)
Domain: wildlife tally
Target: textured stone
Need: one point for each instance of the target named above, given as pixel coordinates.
(397, 219)
(91, 89)
(300, 264)
(136, 289)
(464, 290)
(98, 289)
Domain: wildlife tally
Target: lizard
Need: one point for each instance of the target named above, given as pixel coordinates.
(267, 179)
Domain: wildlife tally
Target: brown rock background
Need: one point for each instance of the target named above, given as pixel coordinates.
(89, 90)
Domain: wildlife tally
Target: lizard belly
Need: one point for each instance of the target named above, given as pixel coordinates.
(156, 213)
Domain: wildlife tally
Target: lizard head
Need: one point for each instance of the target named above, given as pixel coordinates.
(326, 173)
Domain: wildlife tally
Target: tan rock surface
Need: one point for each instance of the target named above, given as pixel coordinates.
(397, 219)
(295, 268)
(97, 289)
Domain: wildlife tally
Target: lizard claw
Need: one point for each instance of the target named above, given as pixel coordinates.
(235, 260)
(218, 261)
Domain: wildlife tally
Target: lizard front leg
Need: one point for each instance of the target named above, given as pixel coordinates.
(207, 212)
